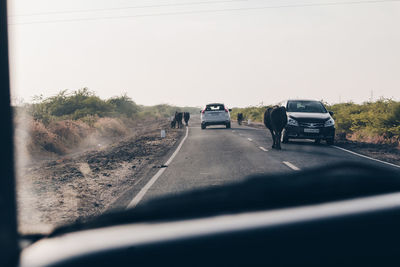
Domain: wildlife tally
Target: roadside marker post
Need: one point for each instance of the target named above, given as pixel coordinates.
(162, 133)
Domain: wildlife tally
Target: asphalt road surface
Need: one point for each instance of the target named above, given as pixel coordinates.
(216, 156)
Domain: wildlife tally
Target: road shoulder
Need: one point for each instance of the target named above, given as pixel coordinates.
(77, 187)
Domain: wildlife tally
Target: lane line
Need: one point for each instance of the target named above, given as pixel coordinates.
(144, 190)
(363, 156)
(263, 149)
(250, 139)
(290, 165)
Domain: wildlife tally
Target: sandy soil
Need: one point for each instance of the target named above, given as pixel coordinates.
(388, 153)
(77, 186)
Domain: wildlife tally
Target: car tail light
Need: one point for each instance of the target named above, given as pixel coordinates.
(202, 112)
(226, 110)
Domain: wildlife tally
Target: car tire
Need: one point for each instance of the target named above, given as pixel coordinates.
(203, 126)
(317, 141)
(284, 138)
(228, 125)
(330, 141)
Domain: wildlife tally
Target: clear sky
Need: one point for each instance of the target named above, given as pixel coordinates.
(253, 52)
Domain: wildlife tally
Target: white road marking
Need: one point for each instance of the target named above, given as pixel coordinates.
(363, 156)
(250, 139)
(290, 165)
(233, 131)
(263, 149)
(144, 190)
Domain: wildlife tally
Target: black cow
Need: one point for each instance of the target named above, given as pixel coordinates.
(173, 123)
(178, 119)
(186, 117)
(240, 118)
(275, 119)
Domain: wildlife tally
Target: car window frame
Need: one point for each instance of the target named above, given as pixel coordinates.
(8, 208)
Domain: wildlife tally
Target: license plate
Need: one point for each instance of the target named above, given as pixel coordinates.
(307, 130)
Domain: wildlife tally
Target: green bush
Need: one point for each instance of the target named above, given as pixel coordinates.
(124, 105)
(165, 110)
(84, 105)
(78, 104)
(380, 118)
(254, 113)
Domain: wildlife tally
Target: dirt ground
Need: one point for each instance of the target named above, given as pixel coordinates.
(388, 153)
(80, 185)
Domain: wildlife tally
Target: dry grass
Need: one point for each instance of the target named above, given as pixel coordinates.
(366, 137)
(64, 136)
(110, 127)
(42, 139)
(71, 133)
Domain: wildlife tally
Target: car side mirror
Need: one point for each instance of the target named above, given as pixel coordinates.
(331, 113)
(230, 110)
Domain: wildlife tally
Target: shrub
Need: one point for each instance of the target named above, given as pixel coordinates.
(41, 139)
(71, 133)
(124, 105)
(78, 104)
(376, 122)
(110, 127)
(64, 121)
(254, 113)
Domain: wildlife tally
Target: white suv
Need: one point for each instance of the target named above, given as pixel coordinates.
(215, 114)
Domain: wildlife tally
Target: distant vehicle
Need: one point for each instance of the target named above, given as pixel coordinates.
(215, 114)
(308, 119)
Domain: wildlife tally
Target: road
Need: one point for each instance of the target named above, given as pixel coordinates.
(216, 156)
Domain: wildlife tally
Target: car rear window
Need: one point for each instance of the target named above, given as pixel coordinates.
(214, 107)
(306, 106)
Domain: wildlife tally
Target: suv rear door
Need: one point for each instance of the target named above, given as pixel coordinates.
(215, 112)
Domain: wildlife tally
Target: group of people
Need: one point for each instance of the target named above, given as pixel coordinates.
(177, 119)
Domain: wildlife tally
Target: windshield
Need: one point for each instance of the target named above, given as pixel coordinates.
(109, 97)
(305, 106)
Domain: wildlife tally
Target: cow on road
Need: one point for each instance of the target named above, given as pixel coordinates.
(186, 117)
(178, 119)
(240, 118)
(275, 119)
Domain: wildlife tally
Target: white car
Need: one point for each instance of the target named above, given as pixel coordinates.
(215, 114)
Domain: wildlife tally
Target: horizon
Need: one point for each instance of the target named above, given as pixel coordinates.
(20, 102)
(256, 52)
